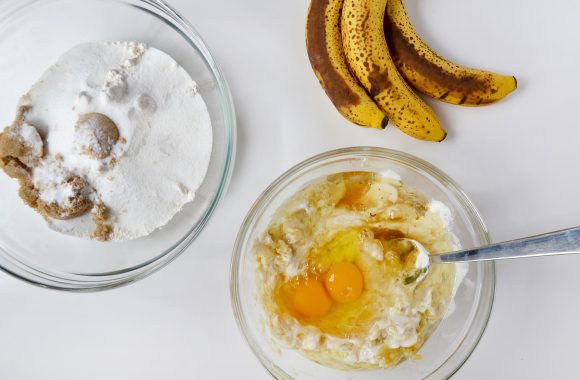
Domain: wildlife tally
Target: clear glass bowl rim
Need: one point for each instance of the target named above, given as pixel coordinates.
(104, 281)
(484, 308)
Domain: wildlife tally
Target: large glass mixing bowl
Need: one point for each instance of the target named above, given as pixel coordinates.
(33, 34)
(454, 338)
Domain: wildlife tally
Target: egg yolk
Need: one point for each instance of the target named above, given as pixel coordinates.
(310, 299)
(344, 282)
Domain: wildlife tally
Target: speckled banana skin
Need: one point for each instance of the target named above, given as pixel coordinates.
(368, 55)
(433, 75)
(324, 45)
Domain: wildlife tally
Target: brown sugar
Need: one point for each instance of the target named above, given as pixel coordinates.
(22, 149)
(100, 216)
(97, 134)
(76, 205)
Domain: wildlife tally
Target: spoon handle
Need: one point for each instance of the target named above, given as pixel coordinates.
(553, 243)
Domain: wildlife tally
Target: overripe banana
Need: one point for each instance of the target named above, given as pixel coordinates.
(433, 75)
(368, 55)
(324, 45)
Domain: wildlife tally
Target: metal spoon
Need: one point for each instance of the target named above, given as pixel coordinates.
(561, 242)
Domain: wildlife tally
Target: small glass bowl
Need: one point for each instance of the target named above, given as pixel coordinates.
(456, 336)
(33, 34)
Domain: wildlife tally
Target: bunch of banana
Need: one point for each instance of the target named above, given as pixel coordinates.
(365, 54)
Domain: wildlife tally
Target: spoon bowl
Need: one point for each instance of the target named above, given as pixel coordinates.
(415, 259)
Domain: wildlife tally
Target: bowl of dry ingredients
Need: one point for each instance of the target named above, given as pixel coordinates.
(117, 136)
(322, 284)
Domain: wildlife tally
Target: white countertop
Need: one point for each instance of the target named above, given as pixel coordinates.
(519, 160)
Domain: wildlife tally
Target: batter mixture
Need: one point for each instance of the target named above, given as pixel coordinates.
(334, 278)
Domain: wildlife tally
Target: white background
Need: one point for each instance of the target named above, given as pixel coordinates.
(518, 160)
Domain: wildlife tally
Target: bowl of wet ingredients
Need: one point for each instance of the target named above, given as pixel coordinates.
(322, 281)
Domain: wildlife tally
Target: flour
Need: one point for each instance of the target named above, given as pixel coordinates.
(157, 161)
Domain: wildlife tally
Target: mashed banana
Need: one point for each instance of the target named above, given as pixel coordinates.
(331, 272)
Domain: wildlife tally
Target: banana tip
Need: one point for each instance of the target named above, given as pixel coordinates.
(443, 138)
(515, 82)
(385, 122)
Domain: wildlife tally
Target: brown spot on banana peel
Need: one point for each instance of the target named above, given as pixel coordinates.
(379, 81)
(404, 53)
(342, 95)
(333, 83)
(468, 89)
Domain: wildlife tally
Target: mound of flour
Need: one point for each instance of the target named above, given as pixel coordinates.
(156, 162)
